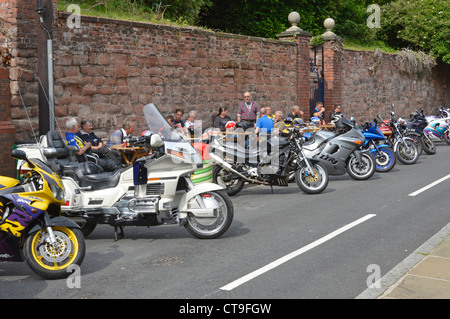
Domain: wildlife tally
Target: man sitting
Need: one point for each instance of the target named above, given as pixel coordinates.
(83, 148)
(97, 147)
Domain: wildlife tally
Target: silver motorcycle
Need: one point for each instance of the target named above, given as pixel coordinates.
(340, 152)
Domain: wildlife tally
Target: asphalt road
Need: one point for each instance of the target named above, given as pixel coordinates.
(281, 245)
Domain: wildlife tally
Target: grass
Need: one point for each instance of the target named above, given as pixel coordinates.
(120, 10)
(352, 44)
(134, 11)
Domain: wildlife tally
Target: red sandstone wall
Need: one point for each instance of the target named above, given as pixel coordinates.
(108, 70)
(366, 93)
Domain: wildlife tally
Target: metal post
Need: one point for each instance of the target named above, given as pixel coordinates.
(51, 103)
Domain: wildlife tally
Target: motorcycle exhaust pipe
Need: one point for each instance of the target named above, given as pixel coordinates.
(228, 167)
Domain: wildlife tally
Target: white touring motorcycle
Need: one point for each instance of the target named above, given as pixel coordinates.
(157, 189)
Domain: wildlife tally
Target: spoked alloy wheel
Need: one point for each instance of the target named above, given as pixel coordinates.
(407, 154)
(227, 180)
(447, 136)
(361, 170)
(211, 227)
(51, 262)
(314, 183)
(427, 145)
(385, 159)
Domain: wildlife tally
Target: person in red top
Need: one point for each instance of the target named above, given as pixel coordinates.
(248, 110)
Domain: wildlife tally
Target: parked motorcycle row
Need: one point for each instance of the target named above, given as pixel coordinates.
(358, 151)
(57, 201)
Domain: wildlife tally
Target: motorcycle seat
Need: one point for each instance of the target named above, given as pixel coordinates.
(90, 175)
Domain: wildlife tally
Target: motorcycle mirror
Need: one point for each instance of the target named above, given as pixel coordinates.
(21, 155)
(156, 141)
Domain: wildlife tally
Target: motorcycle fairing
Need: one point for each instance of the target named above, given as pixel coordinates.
(19, 219)
(9, 248)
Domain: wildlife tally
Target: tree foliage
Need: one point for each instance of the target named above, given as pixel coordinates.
(421, 25)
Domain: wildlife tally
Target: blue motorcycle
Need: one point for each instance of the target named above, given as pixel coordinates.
(375, 142)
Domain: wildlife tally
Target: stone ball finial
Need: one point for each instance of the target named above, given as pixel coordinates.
(329, 25)
(294, 19)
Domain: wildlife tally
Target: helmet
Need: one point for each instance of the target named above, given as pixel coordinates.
(315, 120)
(230, 125)
(147, 133)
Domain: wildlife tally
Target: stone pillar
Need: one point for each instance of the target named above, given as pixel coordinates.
(302, 39)
(332, 48)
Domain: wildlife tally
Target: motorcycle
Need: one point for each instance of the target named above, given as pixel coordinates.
(31, 228)
(384, 154)
(157, 189)
(269, 164)
(404, 147)
(415, 129)
(340, 152)
(438, 126)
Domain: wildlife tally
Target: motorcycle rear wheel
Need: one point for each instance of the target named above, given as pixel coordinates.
(209, 228)
(50, 262)
(361, 170)
(225, 179)
(385, 159)
(405, 156)
(312, 183)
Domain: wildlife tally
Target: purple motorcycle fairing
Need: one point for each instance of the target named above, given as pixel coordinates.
(9, 248)
(25, 217)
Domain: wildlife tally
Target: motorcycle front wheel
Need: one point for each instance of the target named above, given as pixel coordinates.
(314, 183)
(427, 145)
(211, 227)
(361, 170)
(52, 262)
(407, 152)
(447, 136)
(385, 159)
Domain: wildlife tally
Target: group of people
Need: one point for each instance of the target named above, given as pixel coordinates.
(87, 143)
(251, 115)
(262, 119)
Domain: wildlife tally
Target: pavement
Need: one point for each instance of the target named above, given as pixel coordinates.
(425, 274)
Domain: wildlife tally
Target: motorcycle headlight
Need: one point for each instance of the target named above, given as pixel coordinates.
(58, 192)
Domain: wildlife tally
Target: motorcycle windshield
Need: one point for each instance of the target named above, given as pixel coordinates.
(174, 143)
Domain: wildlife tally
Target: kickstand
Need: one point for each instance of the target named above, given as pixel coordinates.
(271, 187)
(118, 233)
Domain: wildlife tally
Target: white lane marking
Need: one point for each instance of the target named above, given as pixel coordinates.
(294, 254)
(429, 186)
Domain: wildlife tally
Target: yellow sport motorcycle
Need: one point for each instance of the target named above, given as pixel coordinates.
(31, 228)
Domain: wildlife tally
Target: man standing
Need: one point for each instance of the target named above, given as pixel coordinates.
(248, 110)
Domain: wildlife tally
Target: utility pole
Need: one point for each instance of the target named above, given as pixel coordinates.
(45, 66)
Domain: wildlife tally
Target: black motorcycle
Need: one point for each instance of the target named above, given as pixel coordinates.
(268, 163)
(414, 128)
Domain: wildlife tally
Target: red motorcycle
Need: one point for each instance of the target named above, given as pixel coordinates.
(404, 147)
